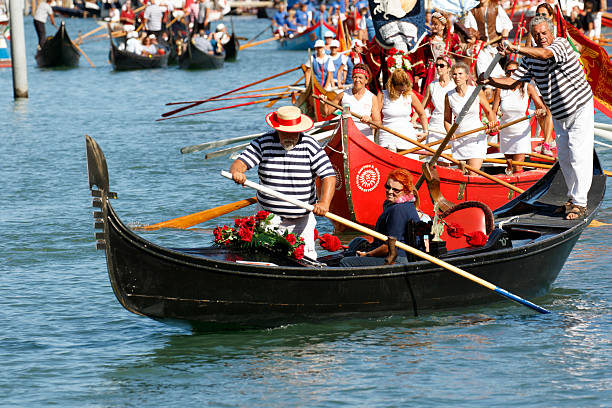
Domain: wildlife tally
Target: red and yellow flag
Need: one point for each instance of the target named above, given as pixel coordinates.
(341, 36)
(597, 67)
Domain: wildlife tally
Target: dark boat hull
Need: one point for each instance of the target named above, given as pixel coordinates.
(206, 286)
(58, 51)
(123, 60)
(193, 58)
(231, 48)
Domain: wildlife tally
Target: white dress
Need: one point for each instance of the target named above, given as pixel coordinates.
(361, 107)
(396, 116)
(473, 146)
(514, 139)
(436, 120)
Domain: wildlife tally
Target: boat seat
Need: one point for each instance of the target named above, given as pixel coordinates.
(471, 216)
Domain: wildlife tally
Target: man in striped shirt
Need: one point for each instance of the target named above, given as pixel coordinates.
(289, 162)
(153, 17)
(556, 70)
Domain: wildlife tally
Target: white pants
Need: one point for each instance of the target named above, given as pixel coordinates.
(304, 227)
(574, 136)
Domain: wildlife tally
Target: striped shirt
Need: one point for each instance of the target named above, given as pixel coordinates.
(154, 15)
(289, 172)
(560, 79)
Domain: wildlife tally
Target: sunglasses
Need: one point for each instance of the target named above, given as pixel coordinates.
(440, 65)
(542, 15)
(510, 71)
(395, 190)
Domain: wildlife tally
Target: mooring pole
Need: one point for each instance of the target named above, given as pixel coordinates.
(18, 54)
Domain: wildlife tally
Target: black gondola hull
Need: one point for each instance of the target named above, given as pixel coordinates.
(204, 286)
(58, 51)
(123, 60)
(193, 58)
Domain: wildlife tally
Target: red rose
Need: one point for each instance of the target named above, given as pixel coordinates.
(477, 238)
(390, 61)
(225, 228)
(392, 51)
(330, 242)
(454, 230)
(316, 234)
(245, 234)
(238, 222)
(262, 215)
(298, 252)
(291, 239)
(217, 234)
(248, 222)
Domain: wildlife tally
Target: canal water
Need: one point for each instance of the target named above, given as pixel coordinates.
(66, 341)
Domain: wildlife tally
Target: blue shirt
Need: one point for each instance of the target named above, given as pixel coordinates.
(280, 17)
(340, 4)
(392, 222)
(301, 17)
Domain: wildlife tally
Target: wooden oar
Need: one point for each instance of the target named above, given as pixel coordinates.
(469, 132)
(459, 119)
(187, 221)
(182, 108)
(226, 107)
(534, 165)
(83, 54)
(218, 143)
(422, 146)
(245, 46)
(260, 33)
(95, 30)
(399, 244)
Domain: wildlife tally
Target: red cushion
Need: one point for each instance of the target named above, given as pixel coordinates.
(471, 219)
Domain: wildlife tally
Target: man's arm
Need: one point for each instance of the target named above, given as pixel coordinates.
(328, 188)
(533, 52)
(238, 168)
(51, 17)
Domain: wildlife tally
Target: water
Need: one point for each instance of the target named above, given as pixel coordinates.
(66, 341)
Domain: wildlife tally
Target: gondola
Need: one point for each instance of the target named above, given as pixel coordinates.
(193, 58)
(58, 51)
(231, 48)
(211, 288)
(305, 39)
(123, 60)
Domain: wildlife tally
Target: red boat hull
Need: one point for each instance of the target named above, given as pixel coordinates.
(362, 166)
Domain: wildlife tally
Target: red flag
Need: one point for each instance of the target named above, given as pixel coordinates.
(603, 107)
(341, 36)
(561, 24)
(596, 64)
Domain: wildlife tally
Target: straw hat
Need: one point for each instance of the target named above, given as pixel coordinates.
(289, 119)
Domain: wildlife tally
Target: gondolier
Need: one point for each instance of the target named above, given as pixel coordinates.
(559, 76)
(43, 11)
(289, 162)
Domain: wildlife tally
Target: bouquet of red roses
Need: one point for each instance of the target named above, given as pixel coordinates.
(260, 230)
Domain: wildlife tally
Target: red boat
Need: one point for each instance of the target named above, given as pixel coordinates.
(361, 168)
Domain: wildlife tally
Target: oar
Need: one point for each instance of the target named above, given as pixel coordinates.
(422, 146)
(225, 107)
(267, 40)
(83, 54)
(187, 221)
(260, 33)
(469, 132)
(218, 143)
(182, 108)
(534, 165)
(95, 30)
(459, 119)
(237, 93)
(399, 244)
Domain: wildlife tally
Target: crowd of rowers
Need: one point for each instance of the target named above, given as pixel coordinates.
(180, 18)
(442, 70)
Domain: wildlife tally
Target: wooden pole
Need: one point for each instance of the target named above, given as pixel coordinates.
(18, 54)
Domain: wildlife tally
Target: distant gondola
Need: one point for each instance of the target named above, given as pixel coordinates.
(231, 48)
(193, 58)
(526, 249)
(123, 60)
(58, 51)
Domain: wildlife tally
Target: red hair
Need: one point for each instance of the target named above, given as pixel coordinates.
(404, 177)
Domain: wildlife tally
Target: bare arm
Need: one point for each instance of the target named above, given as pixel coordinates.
(376, 111)
(448, 114)
(328, 188)
(327, 108)
(238, 168)
(425, 102)
(496, 100)
(487, 108)
(418, 108)
(537, 101)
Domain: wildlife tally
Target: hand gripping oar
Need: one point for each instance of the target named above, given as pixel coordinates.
(459, 118)
(189, 220)
(399, 244)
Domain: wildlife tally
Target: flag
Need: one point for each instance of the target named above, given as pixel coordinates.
(341, 36)
(603, 107)
(561, 25)
(596, 64)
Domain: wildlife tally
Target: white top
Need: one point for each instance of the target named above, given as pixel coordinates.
(361, 107)
(475, 145)
(514, 139)
(438, 94)
(397, 116)
(43, 11)
(134, 45)
(502, 22)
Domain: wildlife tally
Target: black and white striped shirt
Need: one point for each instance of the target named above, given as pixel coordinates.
(560, 79)
(290, 172)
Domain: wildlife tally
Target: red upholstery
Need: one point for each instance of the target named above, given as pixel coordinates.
(471, 217)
